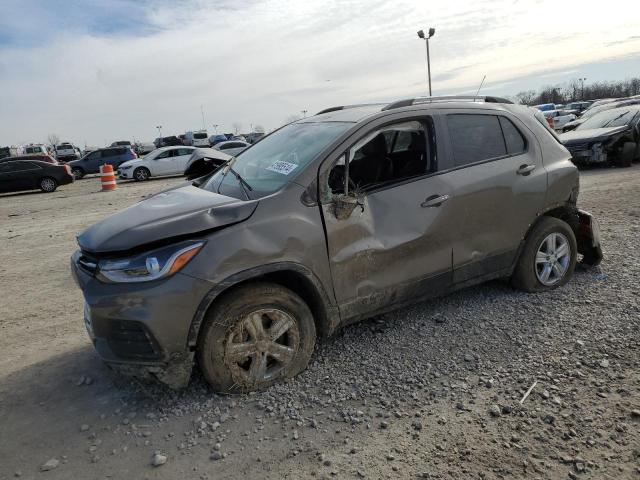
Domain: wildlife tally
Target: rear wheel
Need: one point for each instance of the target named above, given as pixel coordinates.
(548, 258)
(141, 174)
(255, 336)
(627, 154)
(48, 184)
(77, 172)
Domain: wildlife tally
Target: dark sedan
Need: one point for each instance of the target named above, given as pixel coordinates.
(19, 175)
(609, 137)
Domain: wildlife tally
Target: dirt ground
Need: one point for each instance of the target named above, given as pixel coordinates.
(430, 391)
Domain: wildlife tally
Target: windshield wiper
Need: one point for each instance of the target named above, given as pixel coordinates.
(614, 119)
(229, 168)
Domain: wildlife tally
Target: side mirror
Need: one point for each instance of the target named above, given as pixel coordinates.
(344, 205)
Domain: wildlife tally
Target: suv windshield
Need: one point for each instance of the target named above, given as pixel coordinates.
(616, 117)
(277, 159)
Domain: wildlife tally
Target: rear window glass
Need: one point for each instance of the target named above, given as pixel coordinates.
(475, 138)
(512, 137)
(64, 147)
(199, 136)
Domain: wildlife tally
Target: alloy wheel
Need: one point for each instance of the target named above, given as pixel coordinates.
(552, 259)
(261, 346)
(48, 185)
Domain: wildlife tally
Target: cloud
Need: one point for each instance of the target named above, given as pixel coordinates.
(114, 69)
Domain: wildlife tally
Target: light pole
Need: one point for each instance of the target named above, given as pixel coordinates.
(431, 33)
(204, 127)
(215, 126)
(159, 127)
(304, 113)
(582, 81)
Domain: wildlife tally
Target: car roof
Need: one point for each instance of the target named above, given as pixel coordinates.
(172, 147)
(357, 113)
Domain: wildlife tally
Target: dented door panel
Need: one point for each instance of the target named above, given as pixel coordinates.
(390, 246)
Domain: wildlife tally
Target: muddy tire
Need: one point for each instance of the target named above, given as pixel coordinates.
(626, 155)
(254, 337)
(548, 257)
(141, 174)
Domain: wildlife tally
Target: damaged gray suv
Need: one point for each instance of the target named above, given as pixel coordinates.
(334, 218)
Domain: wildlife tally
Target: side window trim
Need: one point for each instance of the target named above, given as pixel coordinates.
(486, 160)
(429, 124)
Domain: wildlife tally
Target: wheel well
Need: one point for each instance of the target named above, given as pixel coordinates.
(565, 213)
(324, 316)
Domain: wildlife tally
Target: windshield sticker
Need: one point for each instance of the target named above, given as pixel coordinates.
(285, 168)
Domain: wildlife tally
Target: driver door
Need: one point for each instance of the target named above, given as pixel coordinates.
(386, 218)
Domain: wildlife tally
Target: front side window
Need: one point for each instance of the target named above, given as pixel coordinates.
(276, 160)
(165, 154)
(386, 156)
(475, 137)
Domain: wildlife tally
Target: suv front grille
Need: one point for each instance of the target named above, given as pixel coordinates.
(131, 339)
(578, 147)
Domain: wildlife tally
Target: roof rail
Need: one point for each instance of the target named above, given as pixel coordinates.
(448, 98)
(344, 107)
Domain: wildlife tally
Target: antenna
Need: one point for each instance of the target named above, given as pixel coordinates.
(481, 83)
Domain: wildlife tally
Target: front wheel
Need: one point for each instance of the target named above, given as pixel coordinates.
(548, 258)
(254, 337)
(141, 174)
(48, 185)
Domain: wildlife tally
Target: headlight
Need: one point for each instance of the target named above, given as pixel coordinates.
(126, 167)
(160, 263)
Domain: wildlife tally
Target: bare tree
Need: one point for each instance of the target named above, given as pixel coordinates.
(258, 129)
(527, 97)
(53, 139)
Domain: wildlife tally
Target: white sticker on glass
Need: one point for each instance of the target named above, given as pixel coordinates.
(285, 168)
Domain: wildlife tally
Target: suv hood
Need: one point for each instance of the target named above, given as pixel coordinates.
(591, 135)
(174, 213)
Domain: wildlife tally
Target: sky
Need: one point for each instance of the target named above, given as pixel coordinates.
(97, 71)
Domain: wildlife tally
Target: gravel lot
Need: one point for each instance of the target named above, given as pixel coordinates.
(431, 391)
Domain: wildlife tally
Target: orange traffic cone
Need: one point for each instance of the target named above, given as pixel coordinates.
(107, 177)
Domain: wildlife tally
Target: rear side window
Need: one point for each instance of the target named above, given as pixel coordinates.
(516, 143)
(475, 138)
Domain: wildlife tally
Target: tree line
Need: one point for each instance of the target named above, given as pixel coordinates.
(577, 90)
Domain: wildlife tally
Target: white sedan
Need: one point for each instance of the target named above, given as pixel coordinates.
(232, 147)
(162, 161)
(560, 118)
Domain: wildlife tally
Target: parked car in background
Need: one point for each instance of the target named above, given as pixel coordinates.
(122, 143)
(37, 157)
(576, 107)
(170, 141)
(611, 136)
(66, 151)
(545, 107)
(590, 112)
(253, 137)
(197, 139)
(232, 147)
(37, 149)
(20, 175)
(91, 162)
(5, 152)
(143, 148)
(215, 139)
(162, 161)
(328, 220)
(559, 117)
(204, 161)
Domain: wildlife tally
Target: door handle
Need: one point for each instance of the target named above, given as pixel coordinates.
(434, 201)
(525, 169)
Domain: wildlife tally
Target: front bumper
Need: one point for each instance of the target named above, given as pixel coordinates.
(141, 329)
(125, 174)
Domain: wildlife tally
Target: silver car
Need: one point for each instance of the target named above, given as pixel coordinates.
(232, 147)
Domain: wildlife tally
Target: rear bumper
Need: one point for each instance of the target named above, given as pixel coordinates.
(588, 238)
